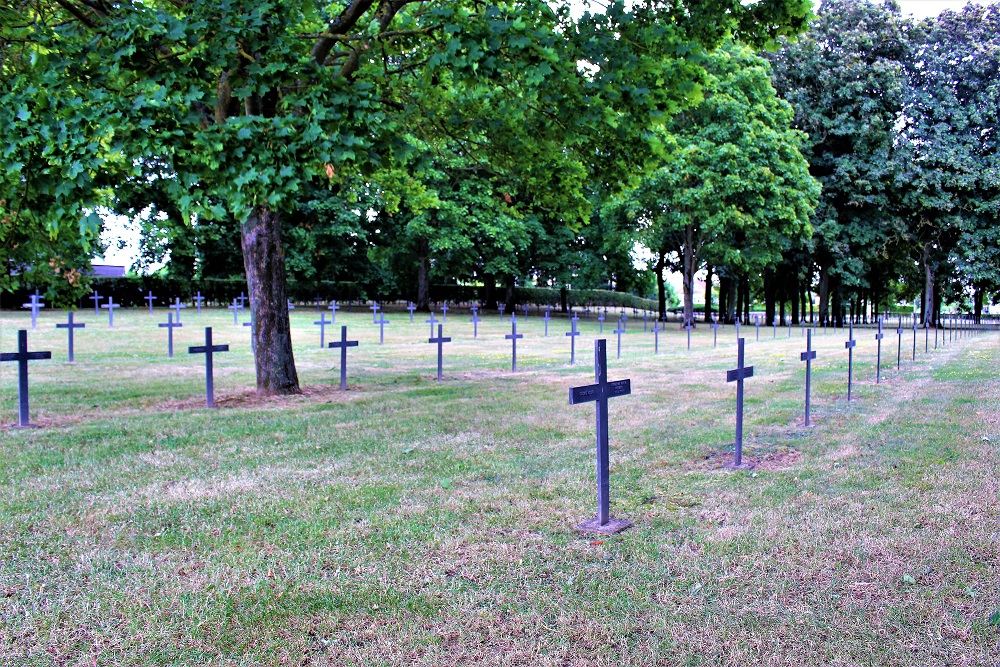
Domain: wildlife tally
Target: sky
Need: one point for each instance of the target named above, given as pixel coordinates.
(120, 231)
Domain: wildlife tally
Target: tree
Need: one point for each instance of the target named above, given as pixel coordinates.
(733, 187)
(240, 106)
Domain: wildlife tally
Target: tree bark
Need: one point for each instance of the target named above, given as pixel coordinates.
(977, 301)
(708, 293)
(264, 261)
(770, 292)
(689, 268)
(929, 295)
(824, 295)
(661, 288)
(423, 275)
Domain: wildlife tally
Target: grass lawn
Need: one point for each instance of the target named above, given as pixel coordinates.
(411, 522)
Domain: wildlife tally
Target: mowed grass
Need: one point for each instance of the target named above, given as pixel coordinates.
(411, 522)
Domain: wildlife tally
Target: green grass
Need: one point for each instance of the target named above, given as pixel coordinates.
(410, 522)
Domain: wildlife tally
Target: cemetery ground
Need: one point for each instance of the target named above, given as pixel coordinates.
(414, 522)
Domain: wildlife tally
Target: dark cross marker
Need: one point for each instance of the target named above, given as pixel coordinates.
(475, 322)
(737, 330)
(850, 344)
(410, 306)
(177, 306)
(381, 328)
(622, 321)
(253, 336)
(914, 325)
(235, 307)
(656, 336)
(927, 333)
(111, 305)
(69, 325)
(170, 325)
(22, 357)
(599, 393)
(899, 343)
(572, 333)
(243, 300)
(715, 331)
(619, 330)
(343, 344)
(501, 307)
(645, 319)
(738, 375)
(756, 322)
(524, 308)
(807, 357)
(878, 358)
(512, 337)
(444, 312)
(687, 325)
(789, 325)
(149, 299)
(440, 340)
(209, 350)
(321, 323)
(198, 299)
(96, 298)
(35, 304)
(289, 305)
(333, 312)
(600, 320)
(547, 310)
(432, 321)
(774, 327)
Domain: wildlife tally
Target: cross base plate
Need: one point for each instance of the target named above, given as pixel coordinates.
(612, 527)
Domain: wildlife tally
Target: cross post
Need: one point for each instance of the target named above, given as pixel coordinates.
(878, 356)
(410, 306)
(235, 307)
(177, 306)
(547, 310)
(440, 340)
(321, 323)
(512, 337)
(600, 321)
(431, 322)
(738, 375)
(22, 357)
(149, 299)
(715, 331)
(599, 393)
(69, 325)
(209, 350)
(198, 299)
(475, 322)
(444, 312)
(170, 325)
(850, 344)
(807, 357)
(501, 307)
(381, 328)
(96, 298)
(656, 336)
(619, 330)
(687, 325)
(899, 343)
(111, 305)
(572, 333)
(343, 344)
(34, 303)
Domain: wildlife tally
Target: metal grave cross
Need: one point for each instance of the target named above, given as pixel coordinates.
(572, 333)
(111, 305)
(177, 306)
(774, 327)
(170, 325)
(22, 357)
(878, 358)
(444, 311)
(687, 325)
(96, 298)
(548, 309)
(656, 336)
(619, 330)
(808, 357)
(209, 350)
(622, 321)
(756, 322)
(715, 331)
(69, 325)
(501, 307)
(738, 375)
(850, 344)
(289, 305)
(381, 328)
(333, 312)
(599, 393)
(524, 309)
(322, 328)
(440, 340)
(198, 299)
(35, 304)
(253, 336)
(243, 300)
(512, 337)
(236, 308)
(645, 321)
(431, 322)
(343, 344)
(600, 321)
(927, 333)
(475, 322)
(914, 325)
(149, 299)
(899, 343)
(737, 327)
(410, 306)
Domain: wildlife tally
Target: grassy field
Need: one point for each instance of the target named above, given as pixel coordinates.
(410, 522)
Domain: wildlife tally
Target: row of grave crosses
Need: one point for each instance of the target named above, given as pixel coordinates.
(599, 392)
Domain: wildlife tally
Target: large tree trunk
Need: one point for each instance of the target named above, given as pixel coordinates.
(708, 293)
(770, 296)
(929, 300)
(978, 304)
(689, 269)
(423, 275)
(661, 288)
(824, 295)
(724, 283)
(793, 297)
(264, 261)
